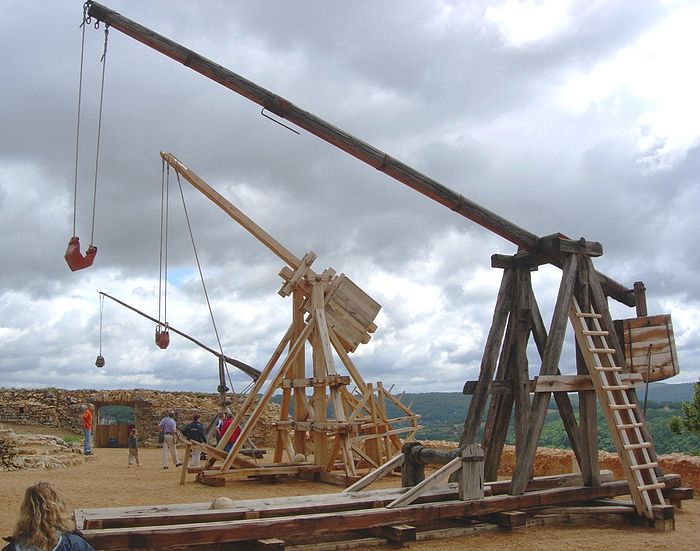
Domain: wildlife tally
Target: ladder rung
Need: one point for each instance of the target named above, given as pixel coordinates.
(644, 466)
(638, 446)
(588, 315)
(622, 406)
(615, 387)
(602, 350)
(647, 487)
(592, 333)
(630, 426)
(607, 368)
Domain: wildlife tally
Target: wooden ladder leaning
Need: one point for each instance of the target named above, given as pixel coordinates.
(621, 410)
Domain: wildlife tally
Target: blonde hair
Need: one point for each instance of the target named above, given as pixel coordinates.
(42, 516)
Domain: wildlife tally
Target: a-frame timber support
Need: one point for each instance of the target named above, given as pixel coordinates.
(601, 373)
(332, 433)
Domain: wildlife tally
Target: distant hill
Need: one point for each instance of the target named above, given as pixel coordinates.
(443, 413)
(669, 392)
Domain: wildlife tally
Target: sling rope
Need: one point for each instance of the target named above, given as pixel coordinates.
(103, 60)
(163, 261)
(100, 361)
(75, 259)
(201, 276)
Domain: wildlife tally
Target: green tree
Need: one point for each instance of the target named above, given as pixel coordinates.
(690, 419)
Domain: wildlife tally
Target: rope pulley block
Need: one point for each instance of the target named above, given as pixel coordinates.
(162, 337)
(75, 259)
(100, 361)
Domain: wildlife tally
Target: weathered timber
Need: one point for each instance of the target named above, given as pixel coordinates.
(335, 136)
(320, 523)
(185, 513)
(522, 312)
(500, 407)
(550, 363)
(566, 409)
(471, 476)
(599, 301)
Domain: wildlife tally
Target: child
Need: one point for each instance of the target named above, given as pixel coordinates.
(133, 448)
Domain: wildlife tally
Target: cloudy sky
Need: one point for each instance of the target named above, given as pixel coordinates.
(578, 117)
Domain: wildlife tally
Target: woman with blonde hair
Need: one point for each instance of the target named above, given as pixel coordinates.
(43, 523)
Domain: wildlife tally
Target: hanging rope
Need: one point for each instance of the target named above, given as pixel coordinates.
(162, 335)
(103, 60)
(74, 258)
(100, 361)
(201, 276)
(77, 129)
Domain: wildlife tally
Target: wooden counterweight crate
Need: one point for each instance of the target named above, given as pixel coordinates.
(649, 346)
(350, 312)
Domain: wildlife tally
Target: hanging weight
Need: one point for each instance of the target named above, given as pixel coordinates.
(162, 338)
(100, 361)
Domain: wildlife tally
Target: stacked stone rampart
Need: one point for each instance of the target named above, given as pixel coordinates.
(61, 408)
(36, 451)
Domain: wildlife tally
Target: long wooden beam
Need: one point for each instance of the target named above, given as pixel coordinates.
(336, 137)
(320, 523)
(230, 209)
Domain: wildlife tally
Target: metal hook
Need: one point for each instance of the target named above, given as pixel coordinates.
(262, 112)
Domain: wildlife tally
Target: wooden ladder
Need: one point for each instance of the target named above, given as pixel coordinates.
(620, 408)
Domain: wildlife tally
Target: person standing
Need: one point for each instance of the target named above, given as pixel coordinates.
(44, 523)
(168, 427)
(133, 448)
(234, 435)
(220, 418)
(86, 424)
(194, 431)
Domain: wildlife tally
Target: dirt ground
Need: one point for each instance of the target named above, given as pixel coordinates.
(105, 481)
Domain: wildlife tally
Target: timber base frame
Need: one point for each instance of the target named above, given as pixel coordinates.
(304, 520)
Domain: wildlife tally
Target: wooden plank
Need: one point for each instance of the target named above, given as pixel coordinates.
(321, 523)
(411, 495)
(331, 380)
(397, 533)
(509, 519)
(521, 395)
(500, 407)
(184, 513)
(302, 409)
(347, 362)
(262, 402)
(566, 410)
(579, 383)
(376, 474)
(550, 363)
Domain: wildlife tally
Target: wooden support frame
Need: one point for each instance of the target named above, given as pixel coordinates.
(332, 315)
(516, 316)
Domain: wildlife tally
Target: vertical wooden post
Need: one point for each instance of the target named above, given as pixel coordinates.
(640, 298)
(550, 363)
(471, 480)
(588, 415)
(500, 408)
(319, 369)
(298, 370)
(522, 311)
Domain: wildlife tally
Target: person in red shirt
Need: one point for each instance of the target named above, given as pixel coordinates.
(234, 435)
(86, 424)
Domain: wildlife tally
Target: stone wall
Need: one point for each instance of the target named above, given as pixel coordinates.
(36, 451)
(63, 409)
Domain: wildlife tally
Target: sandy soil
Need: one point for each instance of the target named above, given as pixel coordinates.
(105, 481)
